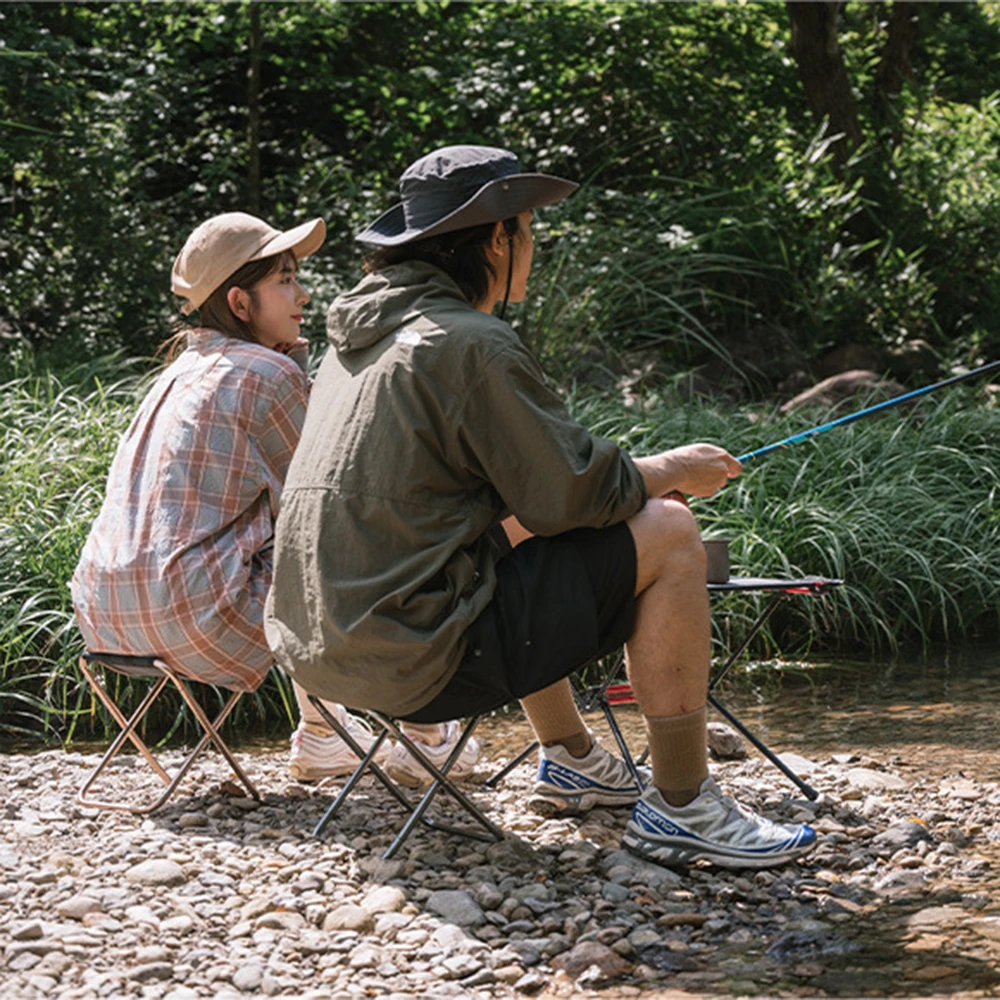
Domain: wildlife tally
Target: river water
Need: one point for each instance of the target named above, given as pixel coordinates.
(940, 712)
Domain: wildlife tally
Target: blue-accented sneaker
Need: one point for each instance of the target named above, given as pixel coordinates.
(568, 786)
(712, 827)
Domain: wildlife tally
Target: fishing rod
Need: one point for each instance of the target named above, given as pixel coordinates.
(851, 417)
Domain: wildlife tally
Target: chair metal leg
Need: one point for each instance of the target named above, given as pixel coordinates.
(507, 768)
(128, 733)
(416, 810)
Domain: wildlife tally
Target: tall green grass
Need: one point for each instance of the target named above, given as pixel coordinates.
(903, 507)
(57, 437)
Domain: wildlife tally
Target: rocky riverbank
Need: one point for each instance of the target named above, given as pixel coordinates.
(221, 896)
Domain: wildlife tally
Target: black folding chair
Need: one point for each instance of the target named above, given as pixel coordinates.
(152, 668)
(438, 777)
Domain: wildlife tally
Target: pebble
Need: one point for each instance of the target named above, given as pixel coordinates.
(212, 898)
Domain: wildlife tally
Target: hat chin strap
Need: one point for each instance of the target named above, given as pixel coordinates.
(510, 275)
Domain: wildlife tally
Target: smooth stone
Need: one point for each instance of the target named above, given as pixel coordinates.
(864, 778)
(986, 926)
(248, 977)
(584, 954)
(384, 899)
(936, 916)
(285, 920)
(147, 971)
(349, 917)
(181, 924)
(725, 743)
(649, 874)
(900, 836)
(800, 765)
(29, 931)
(192, 819)
(157, 871)
(77, 907)
(456, 906)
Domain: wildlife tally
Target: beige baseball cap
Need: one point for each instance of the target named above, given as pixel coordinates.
(223, 244)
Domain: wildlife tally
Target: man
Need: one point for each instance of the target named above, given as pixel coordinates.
(430, 425)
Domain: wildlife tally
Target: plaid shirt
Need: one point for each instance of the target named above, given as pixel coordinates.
(178, 562)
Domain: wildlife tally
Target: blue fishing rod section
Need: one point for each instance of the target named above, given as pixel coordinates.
(851, 417)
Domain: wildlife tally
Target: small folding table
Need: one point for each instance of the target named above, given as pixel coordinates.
(613, 691)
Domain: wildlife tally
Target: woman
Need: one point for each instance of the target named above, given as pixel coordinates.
(178, 561)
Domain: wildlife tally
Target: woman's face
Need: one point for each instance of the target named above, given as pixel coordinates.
(274, 306)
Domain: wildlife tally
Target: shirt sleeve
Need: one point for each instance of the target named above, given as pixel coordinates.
(278, 418)
(550, 472)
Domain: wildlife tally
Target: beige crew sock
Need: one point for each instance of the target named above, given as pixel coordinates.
(553, 715)
(678, 751)
(431, 734)
(312, 721)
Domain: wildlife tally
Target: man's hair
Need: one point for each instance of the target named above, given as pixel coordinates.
(460, 254)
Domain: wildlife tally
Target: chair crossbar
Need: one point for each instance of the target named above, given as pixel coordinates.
(416, 810)
(164, 674)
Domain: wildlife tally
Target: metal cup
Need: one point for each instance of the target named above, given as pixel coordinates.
(717, 551)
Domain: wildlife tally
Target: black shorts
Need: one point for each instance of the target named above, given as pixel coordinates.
(560, 602)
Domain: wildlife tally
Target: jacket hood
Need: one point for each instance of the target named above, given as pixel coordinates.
(384, 301)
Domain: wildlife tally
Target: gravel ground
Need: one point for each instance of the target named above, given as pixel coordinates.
(221, 896)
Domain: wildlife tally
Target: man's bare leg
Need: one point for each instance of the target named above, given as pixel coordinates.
(668, 654)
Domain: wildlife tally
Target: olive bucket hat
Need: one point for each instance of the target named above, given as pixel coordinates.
(461, 186)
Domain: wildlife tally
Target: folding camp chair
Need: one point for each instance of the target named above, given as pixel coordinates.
(162, 675)
(439, 781)
(613, 690)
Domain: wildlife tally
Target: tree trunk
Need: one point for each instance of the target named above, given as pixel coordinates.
(253, 112)
(820, 62)
(894, 65)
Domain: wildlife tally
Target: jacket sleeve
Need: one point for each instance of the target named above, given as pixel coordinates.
(550, 472)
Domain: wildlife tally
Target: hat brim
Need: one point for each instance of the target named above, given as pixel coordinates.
(499, 199)
(302, 241)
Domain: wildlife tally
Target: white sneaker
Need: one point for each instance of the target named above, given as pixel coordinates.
(315, 757)
(568, 785)
(407, 770)
(712, 827)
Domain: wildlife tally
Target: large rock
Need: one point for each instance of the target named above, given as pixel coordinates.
(457, 907)
(725, 743)
(384, 899)
(845, 385)
(900, 835)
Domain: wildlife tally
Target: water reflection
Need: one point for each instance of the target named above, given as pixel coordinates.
(940, 712)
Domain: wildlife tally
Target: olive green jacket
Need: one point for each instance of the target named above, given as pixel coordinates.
(428, 423)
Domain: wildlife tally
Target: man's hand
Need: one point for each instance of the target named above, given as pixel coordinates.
(694, 469)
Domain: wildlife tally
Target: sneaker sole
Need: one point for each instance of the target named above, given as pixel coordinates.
(308, 775)
(553, 804)
(675, 856)
(411, 780)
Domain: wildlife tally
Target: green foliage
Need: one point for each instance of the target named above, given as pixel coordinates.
(904, 508)
(124, 125)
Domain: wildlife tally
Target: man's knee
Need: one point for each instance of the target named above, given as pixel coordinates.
(667, 542)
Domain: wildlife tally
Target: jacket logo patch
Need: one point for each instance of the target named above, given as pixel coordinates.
(407, 337)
